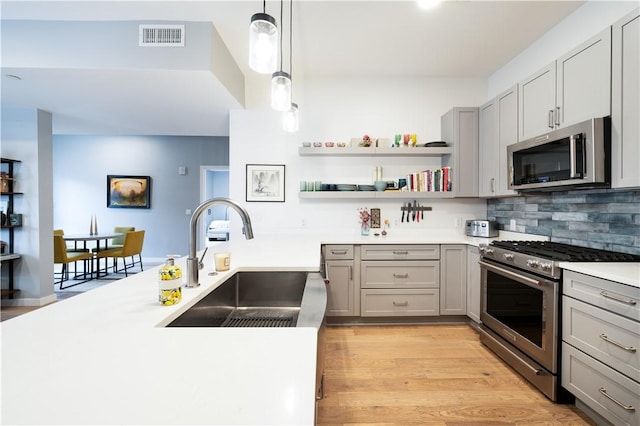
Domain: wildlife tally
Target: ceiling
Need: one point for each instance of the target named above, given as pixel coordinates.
(330, 38)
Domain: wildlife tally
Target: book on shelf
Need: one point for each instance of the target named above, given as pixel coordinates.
(437, 180)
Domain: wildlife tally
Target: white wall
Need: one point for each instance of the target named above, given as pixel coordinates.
(337, 110)
(587, 21)
(26, 136)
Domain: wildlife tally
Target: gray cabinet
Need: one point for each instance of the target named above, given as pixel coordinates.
(473, 283)
(459, 128)
(453, 279)
(399, 280)
(498, 128)
(343, 298)
(574, 88)
(600, 335)
(625, 103)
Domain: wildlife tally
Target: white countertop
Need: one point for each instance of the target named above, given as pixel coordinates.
(104, 357)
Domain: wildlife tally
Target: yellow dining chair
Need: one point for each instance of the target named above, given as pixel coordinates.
(64, 257)
(118, 242)
(69, 249)
(133, 242)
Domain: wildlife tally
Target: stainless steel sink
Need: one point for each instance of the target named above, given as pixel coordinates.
(258, 299)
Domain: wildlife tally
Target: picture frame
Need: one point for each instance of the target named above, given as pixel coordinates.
(265, 182)
(128, 192)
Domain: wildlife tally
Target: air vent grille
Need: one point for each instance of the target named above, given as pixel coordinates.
(161, 35)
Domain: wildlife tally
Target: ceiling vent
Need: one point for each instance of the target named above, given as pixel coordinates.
(161, 35)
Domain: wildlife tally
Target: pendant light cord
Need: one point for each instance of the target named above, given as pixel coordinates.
(281, 2)
(291, 41)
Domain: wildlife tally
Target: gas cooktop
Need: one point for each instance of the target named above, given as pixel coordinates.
(564, 252)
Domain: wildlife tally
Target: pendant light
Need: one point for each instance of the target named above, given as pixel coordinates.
(263, 42)
(281, 82)
(290, 117)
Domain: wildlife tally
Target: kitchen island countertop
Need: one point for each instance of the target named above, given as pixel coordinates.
(105, 357)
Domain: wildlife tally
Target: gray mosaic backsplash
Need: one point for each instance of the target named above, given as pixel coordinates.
(603, 219)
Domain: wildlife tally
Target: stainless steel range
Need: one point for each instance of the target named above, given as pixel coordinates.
(521, 310)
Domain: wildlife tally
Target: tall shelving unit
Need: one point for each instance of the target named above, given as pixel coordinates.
(9, 256)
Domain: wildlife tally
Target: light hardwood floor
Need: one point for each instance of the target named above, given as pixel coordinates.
(427, 375)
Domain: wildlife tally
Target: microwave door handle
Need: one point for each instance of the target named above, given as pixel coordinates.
(574, 140)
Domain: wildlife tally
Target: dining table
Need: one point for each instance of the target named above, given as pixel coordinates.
(98, 240)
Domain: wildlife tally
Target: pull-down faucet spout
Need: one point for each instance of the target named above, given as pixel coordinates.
(193, 264)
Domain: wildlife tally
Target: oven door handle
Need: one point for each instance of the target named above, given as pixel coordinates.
(516, 276)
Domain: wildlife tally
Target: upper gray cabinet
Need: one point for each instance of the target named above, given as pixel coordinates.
(625, 109)
(459, 128)
(498, 129)
(573, 88)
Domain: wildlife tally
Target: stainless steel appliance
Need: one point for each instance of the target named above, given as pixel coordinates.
(577, 156)
(521, 286)
(481, 228)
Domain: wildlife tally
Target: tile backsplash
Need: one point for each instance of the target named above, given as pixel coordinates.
(603, 219)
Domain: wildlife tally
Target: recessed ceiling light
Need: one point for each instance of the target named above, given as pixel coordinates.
(428, 4)
(13, 76)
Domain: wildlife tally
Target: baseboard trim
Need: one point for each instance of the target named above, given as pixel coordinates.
(30, 301)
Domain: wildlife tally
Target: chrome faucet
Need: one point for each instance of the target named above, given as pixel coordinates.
(193, 264)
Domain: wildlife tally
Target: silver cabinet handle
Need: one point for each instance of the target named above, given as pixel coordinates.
(603, 391)
(550, 119)
(400, 303)
(401, 275)
(620, 345)
(403, 252)
(558, 116)
(493, 185)
(350, 273)
(617, 299)
(338, 252)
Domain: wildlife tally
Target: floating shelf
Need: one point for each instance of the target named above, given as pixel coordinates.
(373, 151)
(373, 194)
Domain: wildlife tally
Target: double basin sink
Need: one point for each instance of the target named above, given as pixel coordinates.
(261, 299)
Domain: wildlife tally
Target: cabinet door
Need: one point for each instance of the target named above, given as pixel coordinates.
(489, 148)
(453, 279)
(584, 81)
(473, 283)
(625, 107)
(537, 103)
(459, 127)
(340, 288)
(507, 132)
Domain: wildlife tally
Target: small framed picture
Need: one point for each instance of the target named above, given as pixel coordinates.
(265, 182)
(132, 192)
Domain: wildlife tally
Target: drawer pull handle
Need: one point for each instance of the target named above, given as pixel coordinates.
(401, 275)
(603, 391)
(620, 345)
(338, 252)
(400, 303)
(617, 299)
(402, 252)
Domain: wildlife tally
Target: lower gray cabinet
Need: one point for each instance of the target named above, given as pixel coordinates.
(473, 283)
(453, 279)
(343, 296)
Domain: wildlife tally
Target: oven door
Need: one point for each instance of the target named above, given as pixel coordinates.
(522, 308)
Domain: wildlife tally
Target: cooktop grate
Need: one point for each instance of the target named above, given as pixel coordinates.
(565, 252)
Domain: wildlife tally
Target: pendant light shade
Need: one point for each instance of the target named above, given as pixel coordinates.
(281, 91)
(290, 118)
(263, 43)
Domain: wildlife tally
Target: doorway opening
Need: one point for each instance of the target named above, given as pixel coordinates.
(214, 182)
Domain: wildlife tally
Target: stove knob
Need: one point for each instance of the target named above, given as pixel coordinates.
(508, 256)
(488, 251)
(545, 266)
(532, 263)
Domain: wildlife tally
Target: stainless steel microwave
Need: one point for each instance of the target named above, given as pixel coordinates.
(578, 156)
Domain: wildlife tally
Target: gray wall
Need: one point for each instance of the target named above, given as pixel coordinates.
(81, 165)
(604, 219)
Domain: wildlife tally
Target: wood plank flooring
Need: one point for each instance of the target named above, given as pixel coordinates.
(427, 375)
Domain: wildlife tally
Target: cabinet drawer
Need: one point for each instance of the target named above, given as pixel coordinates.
(596, 385)
(400, 274)
(410, 302)
(608, 337)
(615, 297)
(401, 252)
(338, 251)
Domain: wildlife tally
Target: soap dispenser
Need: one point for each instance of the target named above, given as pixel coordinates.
(170, 282)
